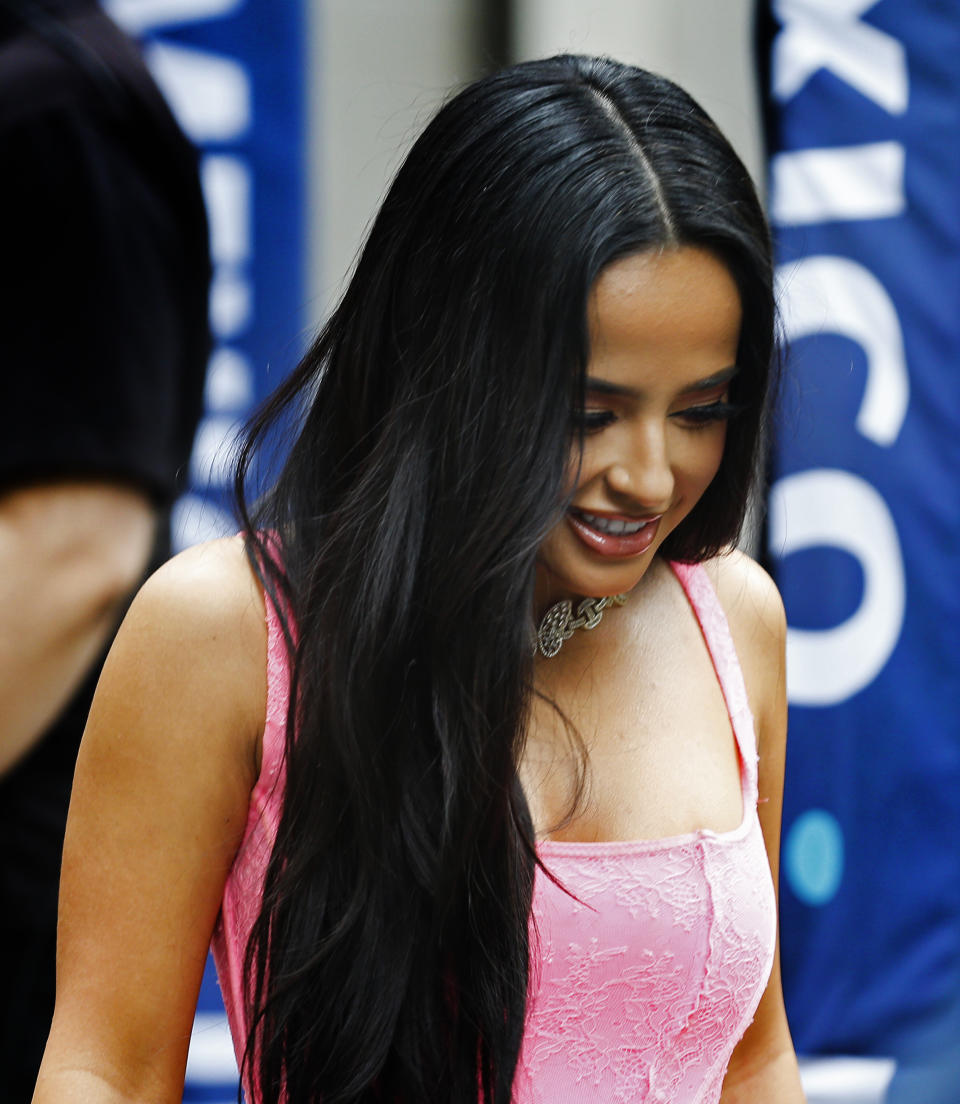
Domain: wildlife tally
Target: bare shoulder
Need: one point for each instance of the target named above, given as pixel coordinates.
(758, 626)
(748, 595)
(195, 636)
(214, 579)
(159, 808)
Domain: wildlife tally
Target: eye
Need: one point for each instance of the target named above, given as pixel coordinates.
(592, 421)
(697, 417)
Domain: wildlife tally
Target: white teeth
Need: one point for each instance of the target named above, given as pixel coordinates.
(613, 526)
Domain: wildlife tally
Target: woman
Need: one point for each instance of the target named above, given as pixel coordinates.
(457, 868)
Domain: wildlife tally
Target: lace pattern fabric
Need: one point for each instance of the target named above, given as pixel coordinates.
(640, 987)
(643, 985)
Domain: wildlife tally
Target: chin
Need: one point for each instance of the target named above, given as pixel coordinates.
(588, 581)
(607, 583)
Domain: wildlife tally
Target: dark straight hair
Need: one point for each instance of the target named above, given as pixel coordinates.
(433, 415)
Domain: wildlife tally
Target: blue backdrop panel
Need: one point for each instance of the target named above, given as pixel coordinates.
(234, 73)
(864, 527)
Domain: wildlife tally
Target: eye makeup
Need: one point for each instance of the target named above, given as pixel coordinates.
(708, 413)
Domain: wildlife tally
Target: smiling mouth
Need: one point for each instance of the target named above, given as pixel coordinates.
(614, 537)
(615, 526)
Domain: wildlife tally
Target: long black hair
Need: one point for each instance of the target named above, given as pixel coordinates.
(433, 421)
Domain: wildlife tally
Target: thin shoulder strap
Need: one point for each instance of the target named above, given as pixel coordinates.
(268, 791)
(278, 689)
(713, 623)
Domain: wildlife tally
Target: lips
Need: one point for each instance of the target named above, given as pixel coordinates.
(614, 535)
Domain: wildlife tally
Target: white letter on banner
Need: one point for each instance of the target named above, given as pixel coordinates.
(849, 182)
(832, 508)
(210, 95)
(826, 34)
(229, 384)
(138, 16)
(835, 295)
(227, 188)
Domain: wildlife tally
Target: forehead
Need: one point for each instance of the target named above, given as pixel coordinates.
(676, 309)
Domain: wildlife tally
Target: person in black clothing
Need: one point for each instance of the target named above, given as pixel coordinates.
(103, 348)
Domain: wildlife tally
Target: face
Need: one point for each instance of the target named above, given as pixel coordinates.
(664, 328)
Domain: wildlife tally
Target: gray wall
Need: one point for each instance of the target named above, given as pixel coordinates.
(380, 67)
(704, 45)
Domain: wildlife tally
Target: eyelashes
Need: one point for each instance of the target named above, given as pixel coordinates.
(590, 421)
(694, 417)
(711, 412)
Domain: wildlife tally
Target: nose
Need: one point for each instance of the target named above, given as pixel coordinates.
(645, 475)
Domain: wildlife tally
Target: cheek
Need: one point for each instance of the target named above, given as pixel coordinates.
(582, 466)
(706, 453)
(719, 446)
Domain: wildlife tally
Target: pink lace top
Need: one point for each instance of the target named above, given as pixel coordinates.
(643, 986)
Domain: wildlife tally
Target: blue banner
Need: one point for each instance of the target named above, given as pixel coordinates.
(864, 527)
(233, 71)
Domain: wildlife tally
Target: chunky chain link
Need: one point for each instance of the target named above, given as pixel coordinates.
(559, 622)
(590, 611)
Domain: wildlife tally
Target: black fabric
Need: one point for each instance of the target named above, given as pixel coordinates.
(103, 348)
(27, 967)
(104, 321)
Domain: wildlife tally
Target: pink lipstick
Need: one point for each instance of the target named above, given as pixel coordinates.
(614, 535)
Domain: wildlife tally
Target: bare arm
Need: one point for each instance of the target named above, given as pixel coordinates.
(763, 1066)
(158, 810)
(69, 554)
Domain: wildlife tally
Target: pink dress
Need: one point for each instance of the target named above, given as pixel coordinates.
(642, 987)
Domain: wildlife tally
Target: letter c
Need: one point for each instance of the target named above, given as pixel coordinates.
(825, 294)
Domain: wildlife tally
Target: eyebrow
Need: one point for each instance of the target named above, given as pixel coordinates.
(605, 387)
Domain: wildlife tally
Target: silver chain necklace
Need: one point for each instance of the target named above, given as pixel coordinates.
(559, 622)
